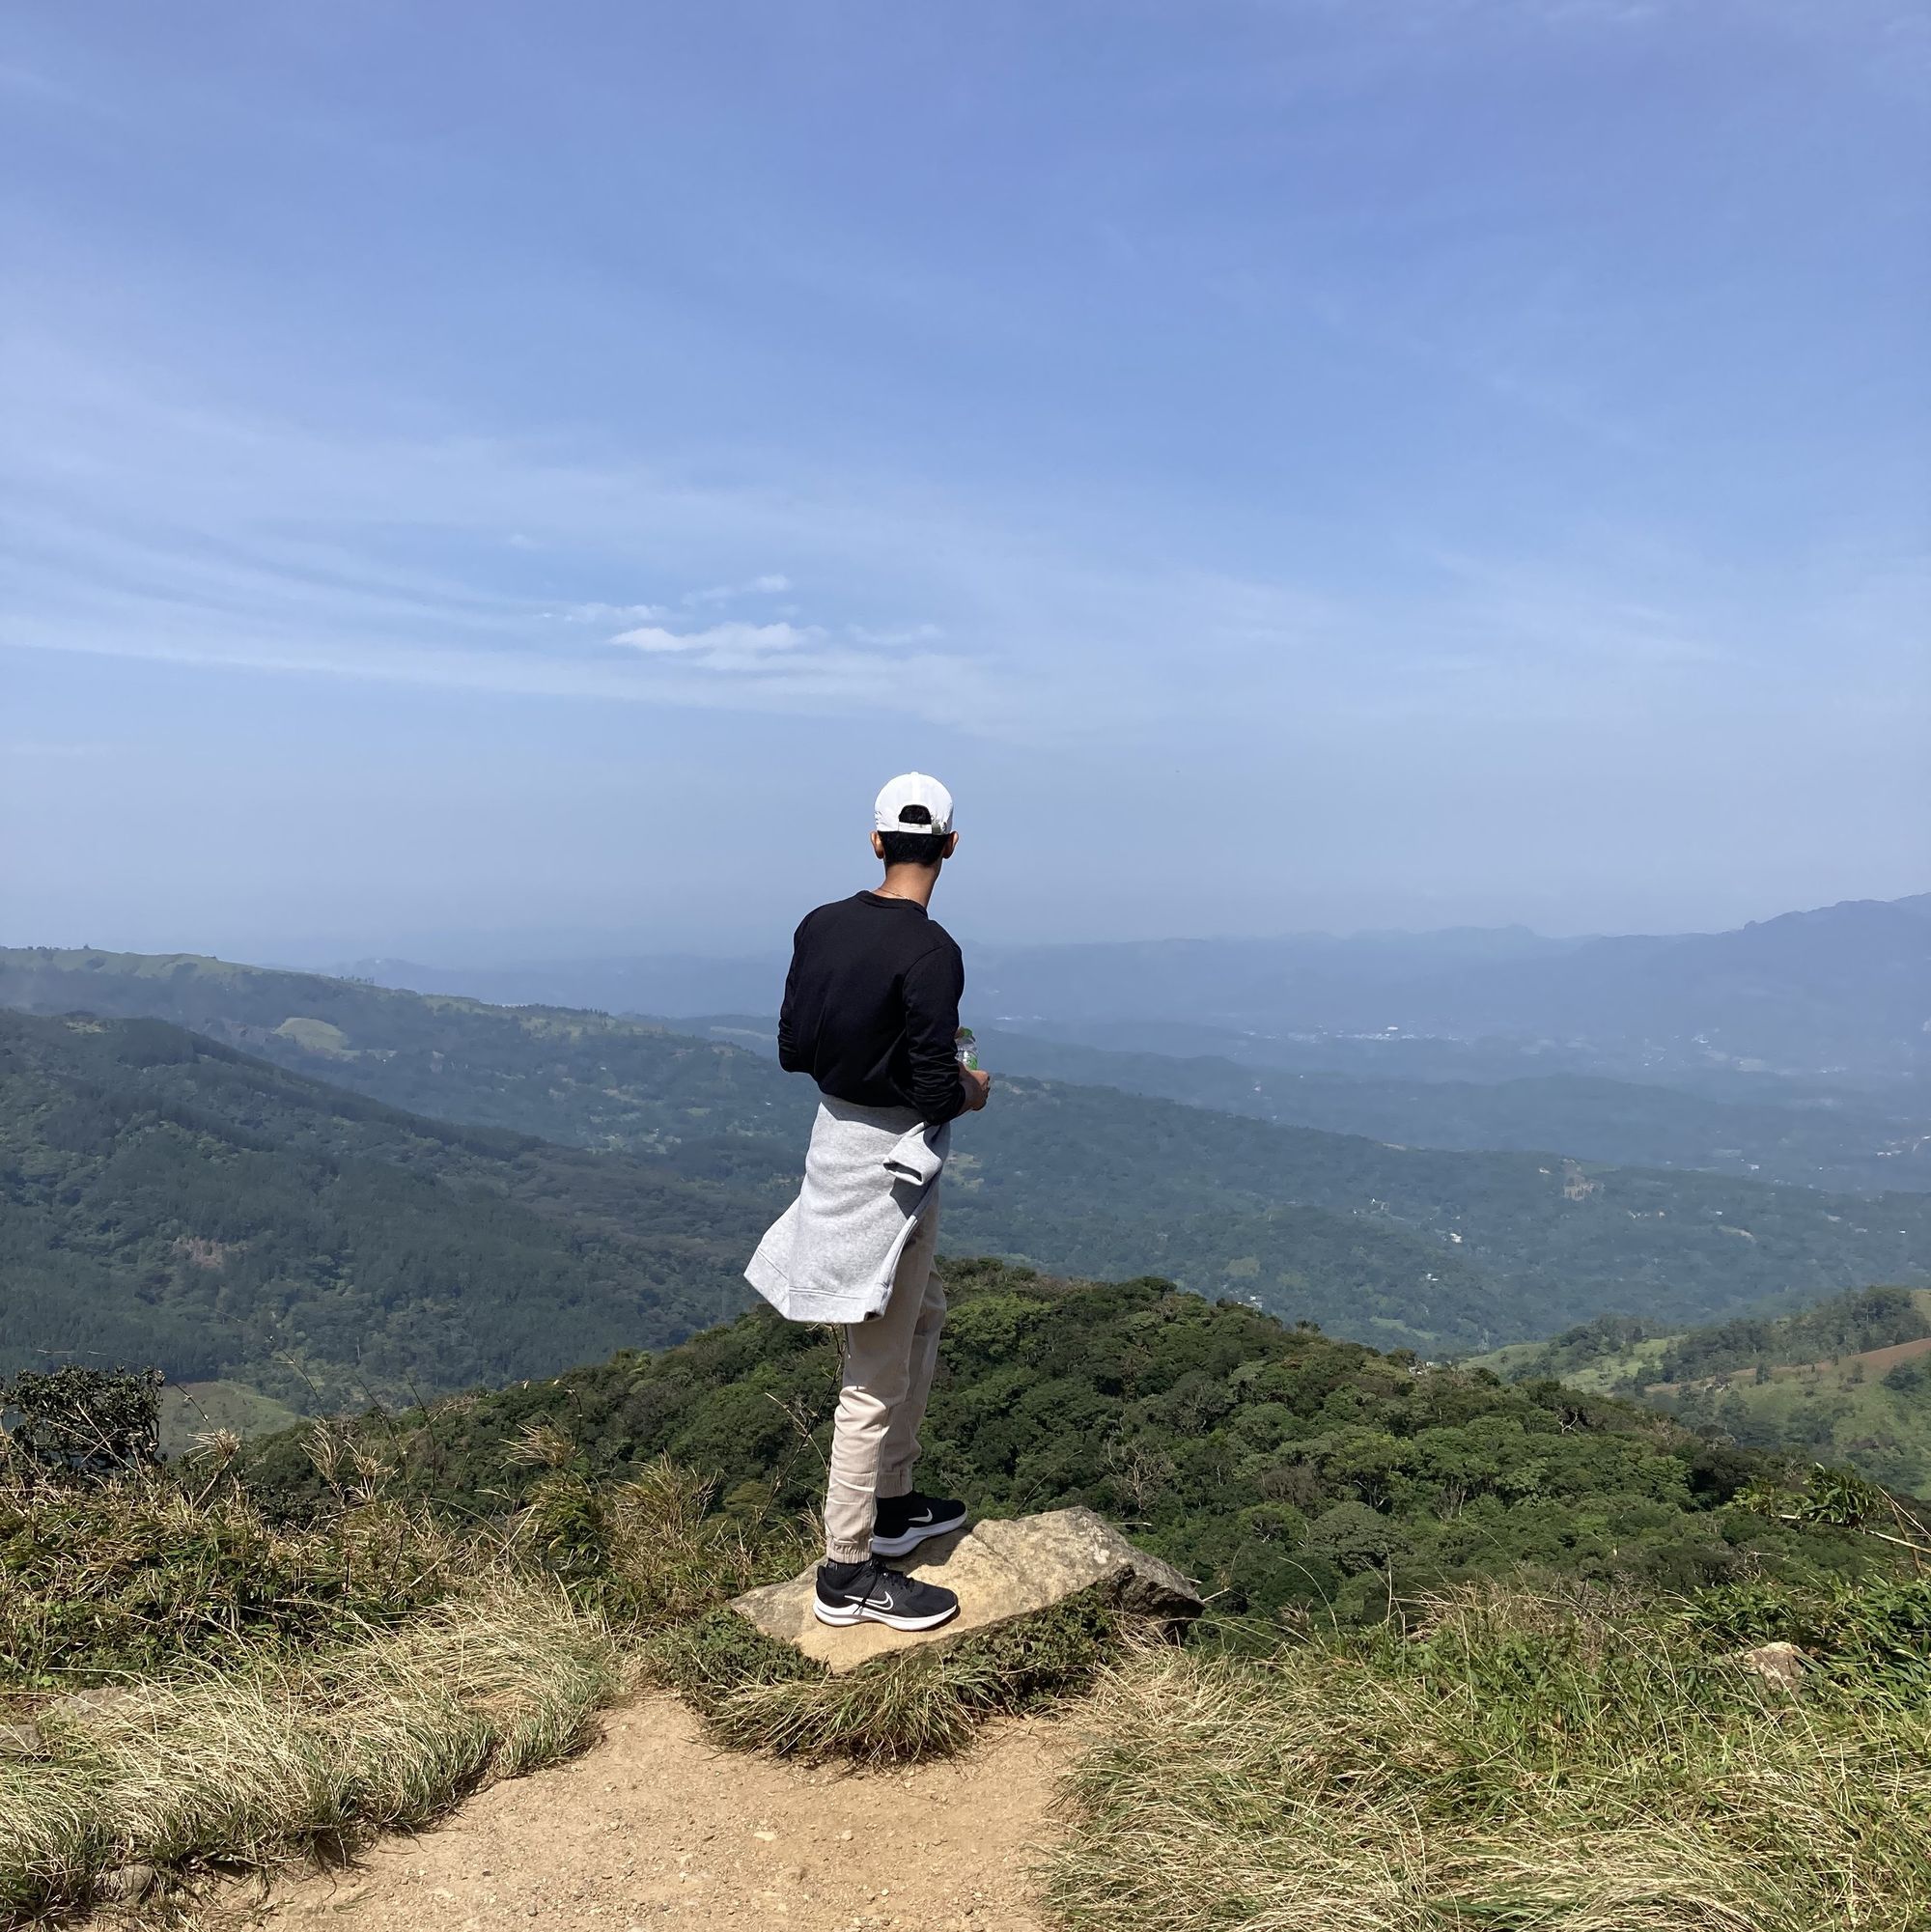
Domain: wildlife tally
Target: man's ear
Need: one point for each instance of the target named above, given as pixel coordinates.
(878, 847)
(951, 845)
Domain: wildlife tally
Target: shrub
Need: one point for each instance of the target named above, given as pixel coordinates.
(1354, 1538)
(82, 1423)
(1873, 1637)
(646, 1550)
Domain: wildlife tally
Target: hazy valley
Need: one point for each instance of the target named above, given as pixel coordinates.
(630, 1168)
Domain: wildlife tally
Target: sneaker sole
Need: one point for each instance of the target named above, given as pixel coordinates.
(841, 1616)
(924, 1533)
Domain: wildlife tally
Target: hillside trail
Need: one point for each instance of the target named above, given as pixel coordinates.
(656, 1826)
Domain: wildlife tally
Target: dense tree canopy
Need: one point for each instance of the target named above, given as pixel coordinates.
(167, 1200)
(1279, 1465)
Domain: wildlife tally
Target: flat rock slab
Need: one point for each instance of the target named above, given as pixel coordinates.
(1000, 1569)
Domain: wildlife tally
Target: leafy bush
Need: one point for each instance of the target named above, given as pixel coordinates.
(83, 1423)
(1911, 1377)
(1873, 1637)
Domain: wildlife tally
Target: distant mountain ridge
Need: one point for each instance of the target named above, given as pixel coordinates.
(670, 984)
(1841, 990)
(1398, 1244)
(1773, 1129)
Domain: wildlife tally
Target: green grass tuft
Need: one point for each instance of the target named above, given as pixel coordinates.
(282, 1688)
(711, 1657)
(756, 1693)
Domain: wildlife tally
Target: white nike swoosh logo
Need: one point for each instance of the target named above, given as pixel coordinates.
(884, 1600)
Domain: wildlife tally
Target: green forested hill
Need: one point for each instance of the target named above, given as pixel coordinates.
(1439, 1250)
(583, 1079)
(1278, 1464)
(1846, 1380)
(1512, 1241)
(166, 1199)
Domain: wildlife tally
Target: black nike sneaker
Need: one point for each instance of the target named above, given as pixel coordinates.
(905, 1521)
(871, 1593)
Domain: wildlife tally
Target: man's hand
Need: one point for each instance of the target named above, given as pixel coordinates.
(978, 1085)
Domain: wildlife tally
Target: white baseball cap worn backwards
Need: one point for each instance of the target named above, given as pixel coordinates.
(930, 801)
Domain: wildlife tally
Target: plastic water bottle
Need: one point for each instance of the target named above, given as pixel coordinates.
(965, 1045)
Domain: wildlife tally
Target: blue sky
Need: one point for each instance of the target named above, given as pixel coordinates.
(486, 481)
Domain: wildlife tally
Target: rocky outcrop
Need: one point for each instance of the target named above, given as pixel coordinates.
(1000, 1571)
(1780, 1664)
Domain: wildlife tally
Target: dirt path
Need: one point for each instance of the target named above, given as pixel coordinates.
(653, 1827)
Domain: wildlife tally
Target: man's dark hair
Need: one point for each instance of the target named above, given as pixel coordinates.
(914, 848)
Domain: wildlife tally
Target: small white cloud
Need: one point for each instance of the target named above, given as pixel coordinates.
(722, 646)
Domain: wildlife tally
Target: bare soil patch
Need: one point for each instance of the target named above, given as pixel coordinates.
(654, 1825)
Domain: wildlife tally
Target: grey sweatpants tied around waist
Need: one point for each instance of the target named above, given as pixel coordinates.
(870, 1175)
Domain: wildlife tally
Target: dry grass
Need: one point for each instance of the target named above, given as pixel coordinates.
(1522, 1764)
(281, 1690)
(255, 1766)
(111, 1580)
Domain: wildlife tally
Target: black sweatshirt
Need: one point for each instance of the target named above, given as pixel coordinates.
(872, 1003)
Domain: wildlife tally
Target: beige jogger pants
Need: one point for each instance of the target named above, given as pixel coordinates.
(888, 1365)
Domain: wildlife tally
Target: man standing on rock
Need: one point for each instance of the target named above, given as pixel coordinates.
(871, 1013)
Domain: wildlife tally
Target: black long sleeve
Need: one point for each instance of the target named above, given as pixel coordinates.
(788, 1057)
(870, 1006)
(934, 984)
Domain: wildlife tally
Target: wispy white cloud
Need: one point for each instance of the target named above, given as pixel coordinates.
(199, 535)
(615, 613)
(724, 646)
(771, 583)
